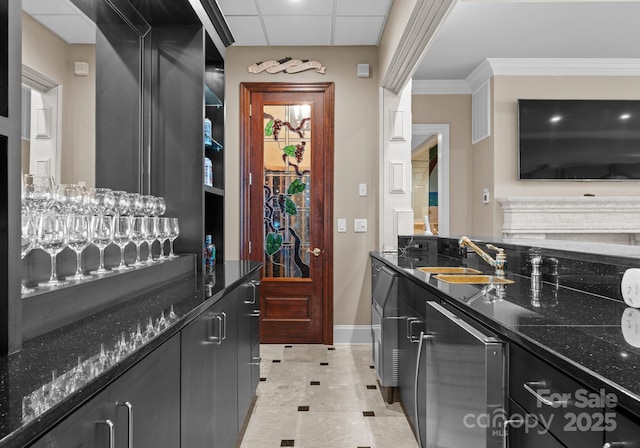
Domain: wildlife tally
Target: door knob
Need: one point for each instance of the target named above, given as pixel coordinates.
(315, 251)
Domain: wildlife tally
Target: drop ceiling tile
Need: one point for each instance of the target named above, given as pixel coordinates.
(238, 7)
(358, 30)
(295, 8)
(47, 7)
(246, 30)
(298, 30)
(362, 7)
(72, 28)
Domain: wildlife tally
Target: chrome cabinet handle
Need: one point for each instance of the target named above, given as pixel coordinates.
(254, 284)
(216, 338)
(614, 444)
(423, 337)
(256, 313)
(409, 320)
(109, 424)
(545, 401)
(505, 430)
(255, 360)
(129, 407)
(412, 338)
(224, 326)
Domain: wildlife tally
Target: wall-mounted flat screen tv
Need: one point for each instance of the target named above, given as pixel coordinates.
(578, 139)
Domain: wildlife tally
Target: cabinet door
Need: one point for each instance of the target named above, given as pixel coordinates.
(209, 380)
(145, 401)
(524, 431)
(88, 427)
(248, 345)
(226, 375)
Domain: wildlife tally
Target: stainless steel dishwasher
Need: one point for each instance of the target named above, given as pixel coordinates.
(384, 326)
(463, 377)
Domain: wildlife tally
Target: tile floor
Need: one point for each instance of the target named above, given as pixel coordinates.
(316, 396)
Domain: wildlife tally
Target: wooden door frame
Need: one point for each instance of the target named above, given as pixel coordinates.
(328, 89)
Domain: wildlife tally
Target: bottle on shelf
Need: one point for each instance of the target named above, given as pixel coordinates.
(208, 132)
(209, 254)
(208, 172)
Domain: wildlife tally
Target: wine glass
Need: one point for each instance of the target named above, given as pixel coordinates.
(52, 237)
(38, 193)
(149, 205)
(28, 239)
(69, 198)
(137, 238)
(122, 237)
(164, 229)
(149, 226)
(122, 202)
(161, 206)
(137, 205)
(101, 200)
(174, 232)
(79, 240)
(101, 237)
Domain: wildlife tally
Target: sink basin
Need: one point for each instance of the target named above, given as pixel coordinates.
(449, 270)
(474, 279)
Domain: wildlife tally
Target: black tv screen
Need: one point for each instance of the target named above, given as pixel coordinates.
(579, 139)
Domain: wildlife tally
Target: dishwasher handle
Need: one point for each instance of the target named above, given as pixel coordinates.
(423, 337)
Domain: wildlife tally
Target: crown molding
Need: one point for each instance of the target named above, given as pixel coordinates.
(528, 67)
(440, 87)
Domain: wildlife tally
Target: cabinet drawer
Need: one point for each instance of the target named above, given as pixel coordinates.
(626, 433)
(573, 413)
(526, 432)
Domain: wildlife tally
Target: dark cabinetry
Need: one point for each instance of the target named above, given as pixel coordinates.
(141, 408)
(219, 370)
(625, 433)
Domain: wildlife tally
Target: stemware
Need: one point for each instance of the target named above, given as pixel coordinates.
(38, 193)
(122, 237)
(137, 205)
(164, 230)
(101, 237)
(69, 198)
(79, 240)
(174, 232)
(122, 202)
(137, 237)
(52, 237)
(101, 200)
(28, 241)
(161, 206)
(149, 205)
(149, 226)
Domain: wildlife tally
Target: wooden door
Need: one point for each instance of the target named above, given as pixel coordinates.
(287, 134)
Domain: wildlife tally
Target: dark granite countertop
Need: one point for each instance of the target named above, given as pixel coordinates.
(581, 333)
(87, 355)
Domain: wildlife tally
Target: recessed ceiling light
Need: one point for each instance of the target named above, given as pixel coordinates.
(555, 119)
(625, 116)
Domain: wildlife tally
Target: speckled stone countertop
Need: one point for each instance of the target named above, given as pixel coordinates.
(583, 334)
(104, 345)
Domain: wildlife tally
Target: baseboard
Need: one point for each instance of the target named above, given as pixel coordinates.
(352, 334)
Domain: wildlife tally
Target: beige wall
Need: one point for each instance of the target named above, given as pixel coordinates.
(454, 110)
(46, 53)
(506, 91)
(356, 159)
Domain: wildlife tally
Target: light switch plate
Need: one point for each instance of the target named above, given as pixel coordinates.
(359, 225)
(362, 189)
(342, 225)
(630, 287)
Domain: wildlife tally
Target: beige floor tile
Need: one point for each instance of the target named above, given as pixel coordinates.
(335, 416)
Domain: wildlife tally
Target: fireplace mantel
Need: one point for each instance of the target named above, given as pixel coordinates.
(580, 218)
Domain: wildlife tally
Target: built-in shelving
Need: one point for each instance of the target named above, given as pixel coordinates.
(214, 190)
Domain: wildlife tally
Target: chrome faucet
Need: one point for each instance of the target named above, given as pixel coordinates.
(500, 262)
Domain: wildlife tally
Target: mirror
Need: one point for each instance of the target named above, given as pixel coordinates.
(82, 97)
(424, 182)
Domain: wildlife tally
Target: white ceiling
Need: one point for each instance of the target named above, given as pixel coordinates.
(475, 30)
(306, 22)
(62, 18)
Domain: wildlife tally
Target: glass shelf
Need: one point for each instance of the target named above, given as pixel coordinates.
(214, 190)
(217, 146)
(210, 98)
